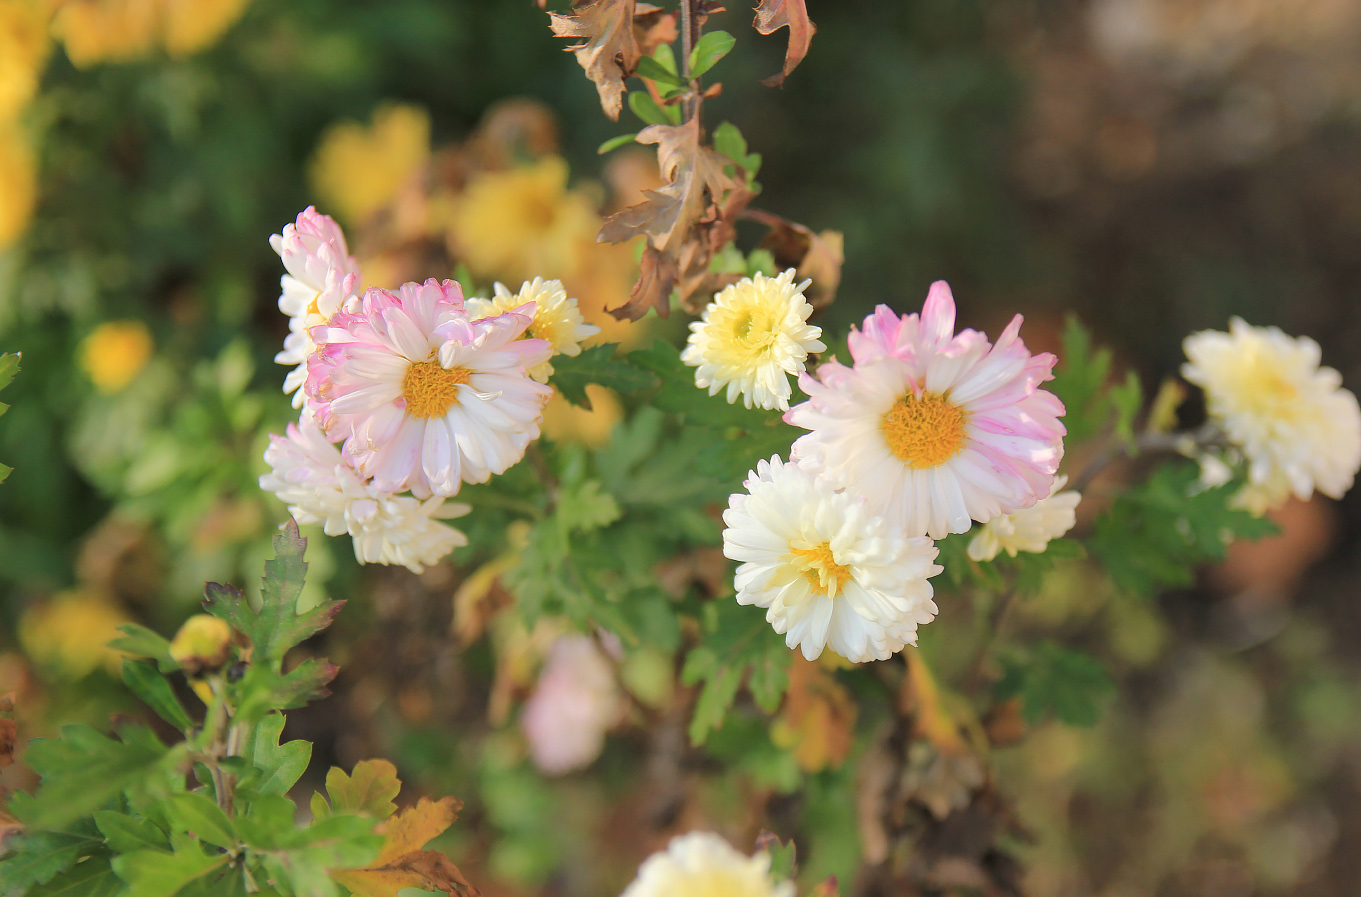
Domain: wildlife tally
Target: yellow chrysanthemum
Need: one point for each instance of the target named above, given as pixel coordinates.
(357, 170)
(515, 224)
(120, 30)
(565, 422)
(556, 318)
(115, 353)
(23, 50)
(70, 634)
(18, 184)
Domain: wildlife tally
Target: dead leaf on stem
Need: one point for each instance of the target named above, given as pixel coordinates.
(815, 256)
(771, 16)
(614, 35)
(403, 864)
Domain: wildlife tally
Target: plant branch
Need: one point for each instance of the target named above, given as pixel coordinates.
(690, 31)
(974, 678)
(1185, 443)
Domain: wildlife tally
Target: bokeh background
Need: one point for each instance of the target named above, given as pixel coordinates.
(1155, 166)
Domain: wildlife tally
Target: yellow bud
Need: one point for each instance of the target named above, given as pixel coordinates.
(202, 644)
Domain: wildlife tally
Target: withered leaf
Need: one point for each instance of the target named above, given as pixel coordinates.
(652, 27)
(403, 864)
(818, 720)
(608, 50)
(9, 740)
(815, 256)
(771, 16)
(656, 278)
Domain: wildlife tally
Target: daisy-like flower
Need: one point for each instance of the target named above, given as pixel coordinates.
(935, 429)
(702, 864)
(1030, 529)
(831, 574)
(751, 338)
(1298, 427)
(425, 398)
(322, 278)
(556, 318)
(308, 474)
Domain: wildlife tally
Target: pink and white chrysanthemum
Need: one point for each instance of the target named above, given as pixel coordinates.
(425, 398)
(935, 429)
(309, 475)
(322, 278)
(576, 701)
(830, 574)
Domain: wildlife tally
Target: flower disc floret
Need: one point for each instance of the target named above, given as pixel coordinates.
(751, 338)
(557, 318)
(702, 864)
(934, 429)
(1299, 429)
(830, 574)
(423, 397)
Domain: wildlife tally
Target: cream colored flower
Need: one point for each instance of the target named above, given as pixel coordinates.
(751, 338)
(1298, 428)
(556, 318)
(702, 864)
(1030, 529)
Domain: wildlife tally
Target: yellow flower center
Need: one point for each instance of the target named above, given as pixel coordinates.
(821, 570)
(925, 431)
(430, 389)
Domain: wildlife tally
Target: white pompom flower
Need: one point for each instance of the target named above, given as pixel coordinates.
(557, 318)
(830, 574)
(1030, 529)
(751, 338)
(309, 475)
(702, 864)
(1299, 429)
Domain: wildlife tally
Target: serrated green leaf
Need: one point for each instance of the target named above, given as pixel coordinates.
(150, 686)
(597, 364)
(1059, 682)
(721, 682)
(1080, 382)
(262, 689)
(124, 833)
(586, 507)
(369, 790)
(83, 768)
(614, 143)
(37, 857)
(678, 394)
(142, 642)
(711, 47)
(278, 766)
(738, 645)
(92, 877)
(196, 813)
(154, 873)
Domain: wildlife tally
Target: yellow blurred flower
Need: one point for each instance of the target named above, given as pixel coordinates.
(69, 635)
(18, 183)
(23, 50)
(522, 223)
(120, 30)
(357, 170)
(115, 353)
(565, 422)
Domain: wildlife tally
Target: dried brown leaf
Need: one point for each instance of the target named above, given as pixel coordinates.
(9, 741)
(403, 864)
(652, 27)
(771, 16)
(817, 257)
(656, 278)
(818, 719)
(608, 50)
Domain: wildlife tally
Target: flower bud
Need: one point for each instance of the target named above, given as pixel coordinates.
(202, 644)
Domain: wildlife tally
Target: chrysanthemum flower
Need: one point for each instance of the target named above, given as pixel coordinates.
(751, 338)
(556, 318)
(322, 278)
(1298, 427)
(309, 475)
(114, 354)
(702, 864)
(576, 701)
(425, 398)
(1030, 529)
(831, 574)
(934, 429)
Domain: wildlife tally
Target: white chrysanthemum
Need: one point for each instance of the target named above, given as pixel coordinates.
(1298, 427)
(831, 574)
(557, 318)
(308, 474)
(751, 338)
(702, 864)
(322, 278)
(1030, 529)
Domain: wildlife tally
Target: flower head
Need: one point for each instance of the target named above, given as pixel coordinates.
(425, 398)
(702, 864)
(360, 169)
(1030, 529)
(309, 474)
(574, 704)
(556, 318)
(18, 184)
(934, 429)
(751, 338)
(114, 354)
(1298, 427)
(830, 573)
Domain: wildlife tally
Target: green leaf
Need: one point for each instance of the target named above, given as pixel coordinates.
(92, 877)
(738, 644)
(154, 873)
(82, 769)
(783, 857)
(9, 366)
(1127, 399)
(1080, 382)
(721, 682)
(614, 143)
(279, 766)
(142, 642)
(712, 46)
(37, 857)
(586, 507)
(597, 364)
(647, 109)
(370, 789)
(124, 833)
(728, 140)
(150, 686)
(651, 68)
(678, 393)
(198, 814)
(262, 689)
(1056, 681)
